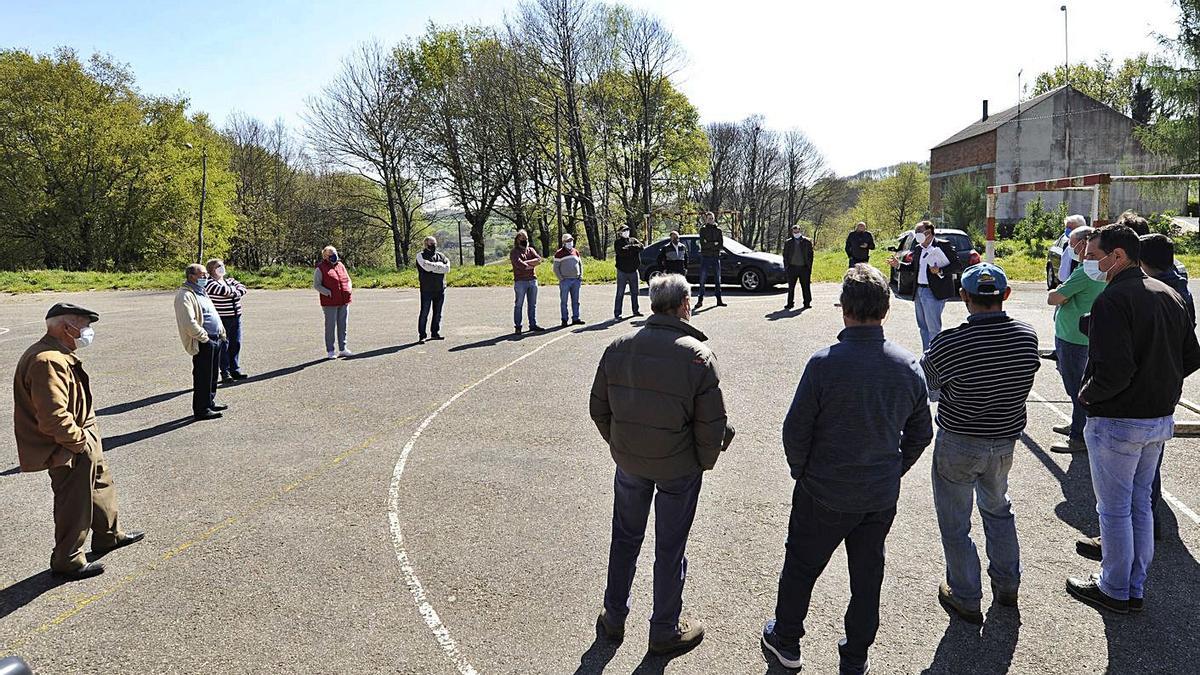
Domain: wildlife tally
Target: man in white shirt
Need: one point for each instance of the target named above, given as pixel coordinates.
(936, 264)
(1066, 264)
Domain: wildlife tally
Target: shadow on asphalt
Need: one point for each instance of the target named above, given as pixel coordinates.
(964, 648)
(272, 374)
(784, 314)
(603, 325)
(11, 472)
(598, 655)
(384, 351)
(141, 403)
(113, 442)
(1078, 507)
(513, 337)
(24, 592)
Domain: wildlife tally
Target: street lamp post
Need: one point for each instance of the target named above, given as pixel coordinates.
(1066, 53)
(557, 173)
(203, 195)
(460, 255)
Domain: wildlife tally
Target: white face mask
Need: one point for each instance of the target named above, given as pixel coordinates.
(86, 337)
(1092, 269)
(570, 243)
(796, 235)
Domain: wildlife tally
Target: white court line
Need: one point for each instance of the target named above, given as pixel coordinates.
(3, 331)
(1171, 499)
(440, 632)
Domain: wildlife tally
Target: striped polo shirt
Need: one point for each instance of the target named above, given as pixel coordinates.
(226, 295)
(984, 369)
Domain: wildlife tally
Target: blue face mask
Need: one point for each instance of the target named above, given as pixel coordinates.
(202, 282)
(333, 259)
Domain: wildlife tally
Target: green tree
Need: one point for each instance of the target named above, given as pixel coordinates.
(1126, 88)
(95, 175)
(1175, 79)
(964, 205)
(1040, 224)
(893, 204)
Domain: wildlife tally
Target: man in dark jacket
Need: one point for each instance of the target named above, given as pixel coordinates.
(673, 256)
(629, 253)
(860, 420)
(798, 262)
(859, 244)
(1141, 346)
(657, 402)
(712, 242)
(432, 268)
(1158, 262)
(936, 262)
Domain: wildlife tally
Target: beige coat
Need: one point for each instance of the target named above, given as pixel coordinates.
(53, 416)
(190, 318)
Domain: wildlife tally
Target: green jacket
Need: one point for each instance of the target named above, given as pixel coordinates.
(657, 401)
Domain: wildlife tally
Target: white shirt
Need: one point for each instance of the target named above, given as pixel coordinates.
(1064, 264)
(930, 256)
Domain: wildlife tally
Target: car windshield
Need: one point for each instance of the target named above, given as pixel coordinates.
(734, 246)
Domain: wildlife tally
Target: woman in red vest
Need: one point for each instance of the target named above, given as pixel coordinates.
(332, 281)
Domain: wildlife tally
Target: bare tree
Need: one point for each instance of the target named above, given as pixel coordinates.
(363, 121)
(724, 138)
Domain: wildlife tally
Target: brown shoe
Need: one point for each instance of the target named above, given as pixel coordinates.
(690, 633)
(953, 604)
(612, 631)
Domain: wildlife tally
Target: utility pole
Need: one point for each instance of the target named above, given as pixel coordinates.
(460, 256)
(557, 173)
(1066, 53)
(203, 194)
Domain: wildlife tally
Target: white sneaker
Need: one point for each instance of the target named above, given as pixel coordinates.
(331, 355)
(345, 352)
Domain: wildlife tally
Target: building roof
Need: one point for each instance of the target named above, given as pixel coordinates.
(997, 120)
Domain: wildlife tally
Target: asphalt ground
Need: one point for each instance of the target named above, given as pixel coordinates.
(446, 507)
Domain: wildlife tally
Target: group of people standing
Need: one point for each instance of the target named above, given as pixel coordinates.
(861, 418)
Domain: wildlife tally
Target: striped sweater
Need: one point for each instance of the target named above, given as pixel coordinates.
(984, 369)
(226, 294)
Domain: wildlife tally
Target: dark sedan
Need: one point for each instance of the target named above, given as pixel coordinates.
(904, 280)
(741, 266)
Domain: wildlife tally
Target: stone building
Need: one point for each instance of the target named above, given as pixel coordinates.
(1061, 133)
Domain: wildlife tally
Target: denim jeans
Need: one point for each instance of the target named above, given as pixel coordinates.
(929, 315)
(965, 466)
(1124, 455)
(431, 301)
(335, 318)
(569, 288)
(629, 280)
(710, 265)
(674, 510)
(526, 291)
(1072, 359)
(231, 349)
(814, 533)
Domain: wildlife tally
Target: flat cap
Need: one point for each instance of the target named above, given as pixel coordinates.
(65, 308)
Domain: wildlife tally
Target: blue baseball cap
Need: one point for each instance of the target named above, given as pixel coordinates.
(984, 279)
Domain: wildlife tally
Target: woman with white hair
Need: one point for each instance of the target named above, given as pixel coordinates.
(332, 281)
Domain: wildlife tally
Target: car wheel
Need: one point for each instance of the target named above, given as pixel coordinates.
(751, 280)
(1051, 279)
(651, 273)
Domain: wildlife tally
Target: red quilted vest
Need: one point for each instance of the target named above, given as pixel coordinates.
(337, 280)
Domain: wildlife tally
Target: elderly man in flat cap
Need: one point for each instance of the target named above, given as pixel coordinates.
(55, 424)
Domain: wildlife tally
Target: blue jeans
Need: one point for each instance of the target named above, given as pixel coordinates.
(526, 293)
(629, 280)
(965, 466)
(431, 301)
(231, 349)
(569, 288)
(1072, 360)
(1124, 455)
(674, 511)
(929, 315)
(710, 265)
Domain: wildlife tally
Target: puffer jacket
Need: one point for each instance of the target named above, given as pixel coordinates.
(657, 401)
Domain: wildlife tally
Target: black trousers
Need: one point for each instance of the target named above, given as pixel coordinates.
(431, 301)
(804, 276)
(205, 366)
(814, 533)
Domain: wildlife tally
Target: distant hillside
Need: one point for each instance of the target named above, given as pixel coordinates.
(884, 172)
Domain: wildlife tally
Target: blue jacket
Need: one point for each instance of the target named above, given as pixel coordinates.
(1179, 284)
(860, 419)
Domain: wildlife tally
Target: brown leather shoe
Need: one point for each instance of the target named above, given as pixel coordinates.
(690, 633)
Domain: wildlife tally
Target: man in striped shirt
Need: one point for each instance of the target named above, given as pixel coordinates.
(984, 369)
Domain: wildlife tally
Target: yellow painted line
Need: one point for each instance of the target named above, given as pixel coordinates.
(83, 601)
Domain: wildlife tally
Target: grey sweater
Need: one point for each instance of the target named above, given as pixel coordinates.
(860, 419)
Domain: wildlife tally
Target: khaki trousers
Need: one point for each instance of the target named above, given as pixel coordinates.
(84, 499)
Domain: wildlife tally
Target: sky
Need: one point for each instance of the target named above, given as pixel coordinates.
(871, 82)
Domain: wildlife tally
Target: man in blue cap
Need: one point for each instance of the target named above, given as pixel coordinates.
(984, 370)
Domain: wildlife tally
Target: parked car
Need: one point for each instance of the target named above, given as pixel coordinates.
(752, 270)
(1054, 257)
(904, 280)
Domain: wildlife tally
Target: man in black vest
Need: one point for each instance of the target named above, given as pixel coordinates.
(936, 263)
(798, 262)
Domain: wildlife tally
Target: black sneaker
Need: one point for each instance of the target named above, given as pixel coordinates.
(1136, 604)
(436, 336)
(956, 606)
(536, 328)
(637, 313)
(238, 375)
(1088, 590)
(564, 323)
(226, 378)
(516, 330)
(612, 631)
(689, 634)
(1089, 547)
(1004, 598)
(789, 656)
(578, 322)
(218, 407)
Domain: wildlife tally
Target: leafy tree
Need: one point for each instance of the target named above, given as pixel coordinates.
(1040, 224)
(964, 205)
(1126, 88)
(1175, 78)
(893, 204)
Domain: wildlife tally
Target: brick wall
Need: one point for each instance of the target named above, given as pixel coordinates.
(972, 152)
